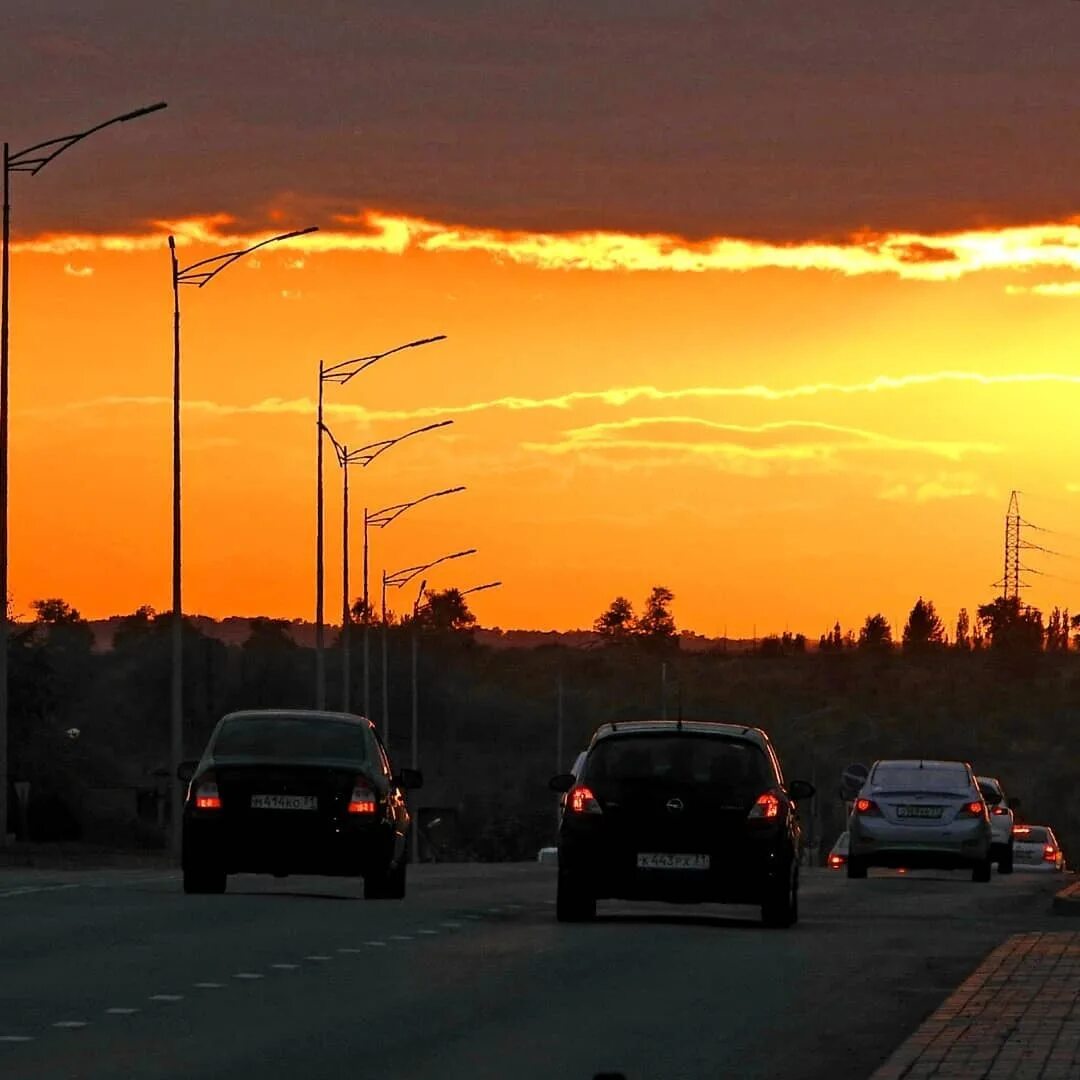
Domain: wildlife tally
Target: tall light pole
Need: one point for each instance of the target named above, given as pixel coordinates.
(398, 579)
(364, 456)
(415, 733)
(199, 274)
(31, 160)
(340, 373)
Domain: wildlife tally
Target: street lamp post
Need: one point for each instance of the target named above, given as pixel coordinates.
(415, 733)
(199, 274)
(364, 456)
(30, 160)
(339, 373)
(399, 579)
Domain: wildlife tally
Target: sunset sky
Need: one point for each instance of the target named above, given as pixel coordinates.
(770, 303)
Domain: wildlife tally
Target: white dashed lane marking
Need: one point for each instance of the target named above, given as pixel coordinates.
(285, 967)
(70, 1024)
(429, 931)
(451, 925)
(166, 997)
(247, 975)
(401, 937)
(16, 1038)
(318, 956)
(121, 1011)
(348, 951)
(375, 944)
(209, 986)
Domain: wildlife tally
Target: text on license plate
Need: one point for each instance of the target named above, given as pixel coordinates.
(919, 811)
(666, 861)
(284, 802)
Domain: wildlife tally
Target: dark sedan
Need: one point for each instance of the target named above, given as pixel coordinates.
(296, 792)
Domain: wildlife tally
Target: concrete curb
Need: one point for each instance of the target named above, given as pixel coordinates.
(1067, 901)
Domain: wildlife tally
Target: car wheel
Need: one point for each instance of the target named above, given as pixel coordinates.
(387, 884)
(781, 909)
(1005, 863)
(203, 879)
(981, 870)
(856, 868)
(572, 902)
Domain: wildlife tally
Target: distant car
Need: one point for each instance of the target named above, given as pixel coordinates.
(684, 812)
(1001, 823)
(838, 856)
(917, 814)
(296, 792)
(1037, 848)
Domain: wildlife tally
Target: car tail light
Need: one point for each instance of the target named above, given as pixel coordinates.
(972, 809)
(867, 808)
(836, 861)
(205, 792)
(1050, 853)
(581, 800)
(1000, 810)
(767, 807)
(363, 800)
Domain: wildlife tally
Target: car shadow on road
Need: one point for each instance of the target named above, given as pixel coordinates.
(292, 894)
(724, 922)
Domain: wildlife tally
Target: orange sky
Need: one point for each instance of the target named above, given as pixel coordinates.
(782, 435)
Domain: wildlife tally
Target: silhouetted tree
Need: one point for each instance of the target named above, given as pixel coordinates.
(618, 621)
(1057, 631)
(1013, 629)
(445, 612)
(923, 630)
(876, 633)
(269, 635)
(963, 630)
(363, 613)
(656, 623)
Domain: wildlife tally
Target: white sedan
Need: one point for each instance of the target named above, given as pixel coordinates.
(1035, 847)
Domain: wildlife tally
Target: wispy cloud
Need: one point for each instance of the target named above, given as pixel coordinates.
(1050, 288)
(788, 440)
(942, 487)
(78, 271)
(615, 397)
(912, 256)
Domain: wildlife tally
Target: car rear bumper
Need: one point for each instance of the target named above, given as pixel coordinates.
(744, 878)
(338, 849)
(882, 843)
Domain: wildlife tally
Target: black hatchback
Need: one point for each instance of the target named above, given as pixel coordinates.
(283, 792)
(685, 812)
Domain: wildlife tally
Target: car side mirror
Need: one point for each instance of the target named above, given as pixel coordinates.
(410, 779)
(563, 782)
(186, 770)
(801, 789)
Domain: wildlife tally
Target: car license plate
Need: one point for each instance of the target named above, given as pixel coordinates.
(665, 861)
(284, 802)
(919, 811)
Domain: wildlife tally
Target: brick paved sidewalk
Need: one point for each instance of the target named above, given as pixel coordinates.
(1017, 1016)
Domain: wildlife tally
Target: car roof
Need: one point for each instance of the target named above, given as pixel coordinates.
(921, 763)
(989, 780)
(299, 714)
(696, 727)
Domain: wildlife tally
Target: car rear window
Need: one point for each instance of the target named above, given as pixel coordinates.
(292, 738)
(701, 759)
(904, 777)
(1031, 834)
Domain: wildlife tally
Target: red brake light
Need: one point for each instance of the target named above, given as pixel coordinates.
(1000, 810)
(581, 800)
(972, 809)
(1050, 853)
(766, 808)
(1021, 830)
(363, 799)
(204, 792)
(836, 861)
(867, 807)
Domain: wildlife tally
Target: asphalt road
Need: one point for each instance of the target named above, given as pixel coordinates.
(117, 974)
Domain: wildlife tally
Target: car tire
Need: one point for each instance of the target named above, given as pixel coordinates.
(388, 884)
(856, 868)
(573, 903)
(204, 880)
(982, 871)
(1005, 863)
(781, 909)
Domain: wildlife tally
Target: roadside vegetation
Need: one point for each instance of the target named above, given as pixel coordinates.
(1001, 688)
